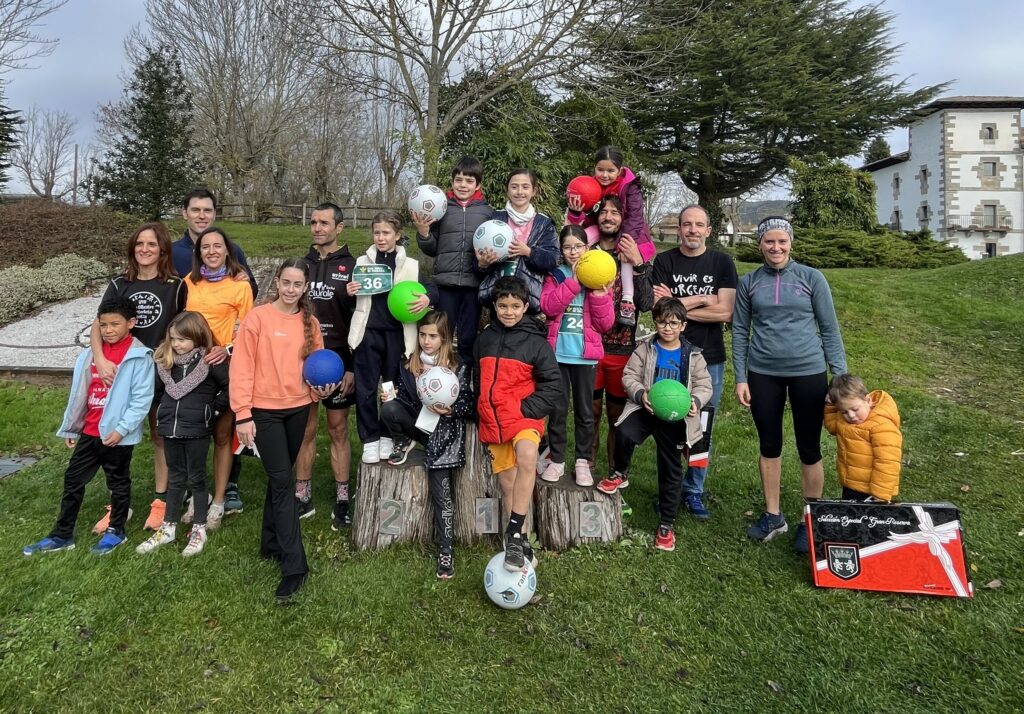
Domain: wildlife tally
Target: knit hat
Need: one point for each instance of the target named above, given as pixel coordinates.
(774, 223)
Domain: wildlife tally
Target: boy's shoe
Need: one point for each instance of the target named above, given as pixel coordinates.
(528, 555)
(583, 475)
(49, 544)
(553, 472)
(800, 544)
(695, 506)
(514, 558)
(665, 539)
(340, 517)
(627, 314)
(613, 483)
(400, 450)
(108, 541)
(104, 523)
(164, 535)
(387, 447)
(371, 452)
(445, 564)
(156, 515)
(214, 516)
(196, 541)
(306, 508)
(627, 510)
(767, 527)
(232, 499)
(288, 586)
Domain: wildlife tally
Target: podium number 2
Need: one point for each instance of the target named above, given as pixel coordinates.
(590, 520)
(391, 513)
(486, 515)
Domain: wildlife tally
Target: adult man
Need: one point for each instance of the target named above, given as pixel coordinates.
(704, 281)
(330, 271)
(199, 209)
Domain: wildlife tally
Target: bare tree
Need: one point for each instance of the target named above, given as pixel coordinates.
(19, 42)
(46, 151)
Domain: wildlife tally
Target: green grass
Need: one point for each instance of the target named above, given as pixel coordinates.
(619, 627)
(281, 240)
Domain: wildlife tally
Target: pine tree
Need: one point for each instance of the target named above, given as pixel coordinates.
(153, 161)
(877, 150)
(9, 122)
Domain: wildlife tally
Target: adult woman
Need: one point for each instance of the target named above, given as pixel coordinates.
(785, 333)
(159, 294)
(214, 292)
(272, 402)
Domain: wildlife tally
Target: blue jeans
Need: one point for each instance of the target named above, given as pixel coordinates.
(693, 481)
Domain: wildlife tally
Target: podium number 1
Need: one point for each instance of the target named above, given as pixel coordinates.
(486, 515)
(391, 513)
(590, 520)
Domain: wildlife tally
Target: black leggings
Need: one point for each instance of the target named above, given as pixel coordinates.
(186, 469)
(578, 379)
(807, 402)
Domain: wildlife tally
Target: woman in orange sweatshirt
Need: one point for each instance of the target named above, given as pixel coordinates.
(271, 401)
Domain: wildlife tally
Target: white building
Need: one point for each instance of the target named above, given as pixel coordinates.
(962, 176)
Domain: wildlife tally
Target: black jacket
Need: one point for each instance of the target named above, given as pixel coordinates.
(192, 416)
(332, 305)
(446, 446)
(450, 243)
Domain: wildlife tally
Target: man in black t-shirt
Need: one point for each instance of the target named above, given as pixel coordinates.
(704, 281)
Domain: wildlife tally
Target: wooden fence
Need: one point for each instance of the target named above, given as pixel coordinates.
(355, 215)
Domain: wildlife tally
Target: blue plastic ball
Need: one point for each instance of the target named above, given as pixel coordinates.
(323, 367)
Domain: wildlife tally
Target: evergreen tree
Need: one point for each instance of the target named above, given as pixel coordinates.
(152, 162)
(9, 123)
(830, 194)
(878, 149)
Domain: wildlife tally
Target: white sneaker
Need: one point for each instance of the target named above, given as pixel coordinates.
(214, 516)
(387, 447)
(196, 541)
(164, 535)
(371, 452)
(190, 512)
(583, 475)
(553, 472)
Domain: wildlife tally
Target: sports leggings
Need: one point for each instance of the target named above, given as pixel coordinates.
(806, 400)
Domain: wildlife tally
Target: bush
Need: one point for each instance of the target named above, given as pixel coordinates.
(61, 278)
(840, 248)
(35, 231)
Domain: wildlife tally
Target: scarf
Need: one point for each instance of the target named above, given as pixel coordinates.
(427, 359)
(520, 219)
(214, 276)
(177, 390)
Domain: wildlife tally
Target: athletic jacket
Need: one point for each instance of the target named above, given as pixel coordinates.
(450, 243)
(543, 243)
(333, 306)
(517, 380)
(446, 446)
(869, 455)
(191, 417)
(598, 312)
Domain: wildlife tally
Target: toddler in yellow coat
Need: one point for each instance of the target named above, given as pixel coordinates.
(869, 444)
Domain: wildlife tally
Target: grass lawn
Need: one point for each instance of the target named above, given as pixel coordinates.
(722, 624)
(283, 240)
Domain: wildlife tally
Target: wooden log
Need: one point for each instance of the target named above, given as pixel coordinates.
(393, 505)
(568, 515)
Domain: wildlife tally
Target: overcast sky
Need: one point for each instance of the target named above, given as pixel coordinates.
(942, 40)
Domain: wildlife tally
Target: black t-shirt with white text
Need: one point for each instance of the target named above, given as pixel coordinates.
(156, 303)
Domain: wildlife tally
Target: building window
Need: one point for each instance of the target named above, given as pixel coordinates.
(990, 250)
(988, 168)
(988, 133)
(989, 213)
(897, 220)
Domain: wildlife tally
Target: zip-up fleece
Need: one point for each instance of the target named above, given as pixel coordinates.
(333, 306)
(191, 417)
(638, 378)
(598, 312)
(450, 243)
(517, 380)
(869, 455)
(128, 400)
(784, 324)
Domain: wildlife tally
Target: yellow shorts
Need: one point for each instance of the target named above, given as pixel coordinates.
(503, 455)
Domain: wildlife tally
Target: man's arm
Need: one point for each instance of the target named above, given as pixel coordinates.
(710, 308)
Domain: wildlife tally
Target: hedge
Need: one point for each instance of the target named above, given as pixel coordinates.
(61, 278)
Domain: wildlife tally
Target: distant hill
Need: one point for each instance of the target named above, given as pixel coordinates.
(751, 212)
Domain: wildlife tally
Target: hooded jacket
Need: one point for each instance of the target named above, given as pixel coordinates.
(450, 243)
(633, 223)
(333, 306)
(598, 312)
(869, 455)
(543, 257)
(192, 416)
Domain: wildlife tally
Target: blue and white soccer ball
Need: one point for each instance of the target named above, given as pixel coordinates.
(438, 387)
(495, 235)
(429, 200)
(506, 589)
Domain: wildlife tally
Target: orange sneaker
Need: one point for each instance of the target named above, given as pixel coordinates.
(156, 515)
(102, 524)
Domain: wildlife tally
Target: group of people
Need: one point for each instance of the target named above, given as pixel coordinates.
(196, 356)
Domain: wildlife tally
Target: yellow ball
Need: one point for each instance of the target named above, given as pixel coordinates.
(595, 269)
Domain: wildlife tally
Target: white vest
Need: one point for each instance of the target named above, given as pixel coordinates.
(405, 269)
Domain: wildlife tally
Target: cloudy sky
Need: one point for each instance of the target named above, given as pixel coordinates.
(942, 40)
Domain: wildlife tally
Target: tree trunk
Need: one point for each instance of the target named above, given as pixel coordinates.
(393, 505)
(569, 515)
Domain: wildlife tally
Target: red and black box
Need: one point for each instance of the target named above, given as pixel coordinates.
(904, 548)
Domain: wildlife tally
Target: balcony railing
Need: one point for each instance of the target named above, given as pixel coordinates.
(978, 223)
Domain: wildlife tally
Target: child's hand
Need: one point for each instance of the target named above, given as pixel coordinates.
(69, 442)
(628, 252)
(661, 291)
(246, 434)
(113, 439)
(693, 409)
(605, 289)
(422, 221)
(518, 248)
(443, 411)
(419, 304)
(647, 403)
(353, 287)
(486, 257)
(216, 355)
(324, 391)
(575, 202)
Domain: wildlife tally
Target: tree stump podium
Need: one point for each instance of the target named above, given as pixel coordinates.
(393, 505)
(480, 510)
(568, 515)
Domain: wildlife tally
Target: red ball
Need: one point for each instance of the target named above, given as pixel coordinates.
(588, 189)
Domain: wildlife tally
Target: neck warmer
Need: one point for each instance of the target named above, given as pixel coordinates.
(214, 276)
(428, 360)
(193, 379)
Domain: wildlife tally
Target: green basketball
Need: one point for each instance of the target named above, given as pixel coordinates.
(399, 298)
(669, 399)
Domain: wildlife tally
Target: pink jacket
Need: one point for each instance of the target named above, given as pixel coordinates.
(632, 215)
(598, 311)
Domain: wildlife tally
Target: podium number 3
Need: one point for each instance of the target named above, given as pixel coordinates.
(391, 513)
(590, 520)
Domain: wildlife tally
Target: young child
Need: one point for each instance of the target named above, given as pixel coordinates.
(663, 355)
(377, 339)
(450, 242)
(534, 250)
(445, 445)
(617, 180)
(518, 384)
(191, 394)
(577, 317)
(869, 444)
(102, 425)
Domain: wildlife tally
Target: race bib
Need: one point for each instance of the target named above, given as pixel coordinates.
(373, 279)
(572, 319)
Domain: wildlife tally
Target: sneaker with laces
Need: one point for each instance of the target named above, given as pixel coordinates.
(340, 517)
(695, 506)
(108, 541)
(164, 535)
(387, 447)
(232, 500)
(768, 526)
(190, 511)
(156, 515)
(104, 523)
(528, 555)
(214, 516)
(665, 539)
(445, 564)
(306, 508)
(800, 544)
(514, 558)
(400, 451)
(553, 472)
(371, 452)
(49, 544)
(627, 313)
(583, 476)
(196, 541)
(613, 483)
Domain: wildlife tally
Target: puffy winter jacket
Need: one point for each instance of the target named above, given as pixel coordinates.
(192, 416)
(869, 455)
(543, 242)
(446, 445)
(560, 288)
(450, 243)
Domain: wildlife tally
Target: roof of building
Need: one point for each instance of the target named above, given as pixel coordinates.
(970, 102)
(886, 162)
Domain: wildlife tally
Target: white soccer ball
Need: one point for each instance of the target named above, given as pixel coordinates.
(507, 589)
(495, 235)
(429, 200)
(438, 387)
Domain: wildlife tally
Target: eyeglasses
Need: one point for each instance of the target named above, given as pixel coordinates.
(674, 324)
(574, 248)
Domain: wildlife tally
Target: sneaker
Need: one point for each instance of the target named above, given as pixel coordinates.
(445, 564)
(400, 451)
(767, 527)
(340, 517)
(288, 586)
(196, 541)
(613, 483)
(155, 521)
(214, 516)
(190, 511)
(800, 544)
(627, 314)
(371, 452)
(627, 510)
(695, 506)
(164, 535)
(104, 523)
(553, 472)
(49, 544)
(583, 475)
(232, 499)
(665, 539)
(514, 559)
(306, 508)
(387, 447)
(108, 541)
(528, 555)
